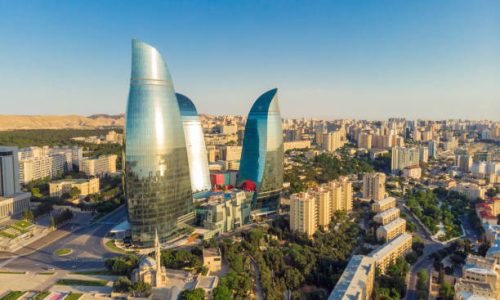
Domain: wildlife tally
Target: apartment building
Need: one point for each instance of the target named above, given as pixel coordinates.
(303, 213)
(387, 216)
(384, 204)
(102, 165)
(389, 252)
(374, 186)
(391, 230)
(305, 144)
(480, 278)
(356, 282)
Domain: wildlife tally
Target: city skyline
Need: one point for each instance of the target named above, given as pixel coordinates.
(346, 60)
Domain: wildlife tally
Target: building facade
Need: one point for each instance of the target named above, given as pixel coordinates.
(195, 145)
(157, 182)
(356, 282)
(262, 154)
(99, 166)
(9, 171)
(374, 186)
(85, 186)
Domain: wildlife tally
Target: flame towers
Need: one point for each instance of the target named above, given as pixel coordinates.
(195, 143)
(262, 154)
(157, 183)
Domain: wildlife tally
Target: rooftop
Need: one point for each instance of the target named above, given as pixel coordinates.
(386, 248)
(394, 224)
(353, 279)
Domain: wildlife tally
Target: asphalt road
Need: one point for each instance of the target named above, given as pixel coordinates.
(85, 241)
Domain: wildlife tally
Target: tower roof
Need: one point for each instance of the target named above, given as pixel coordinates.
(186, 106)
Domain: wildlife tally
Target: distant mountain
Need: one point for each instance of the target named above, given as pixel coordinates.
(14, 122)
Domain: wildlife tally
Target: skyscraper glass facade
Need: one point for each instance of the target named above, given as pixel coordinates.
(195, 144)
(262, 154)
(157, 183)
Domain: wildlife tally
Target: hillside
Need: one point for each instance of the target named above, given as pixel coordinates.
(14, 122)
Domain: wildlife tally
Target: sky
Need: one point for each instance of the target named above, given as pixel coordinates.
(328, 59)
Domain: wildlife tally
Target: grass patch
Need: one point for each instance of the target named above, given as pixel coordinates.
(41, 296)
(73, 296)
(7, 235)
(62, 251)
(46, 273)
(111, 245)
(93, 272)
(13, 295)
(82, 282)
(11, 272)
(22, 224)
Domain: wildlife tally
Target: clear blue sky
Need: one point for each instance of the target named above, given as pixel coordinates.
(329, 59)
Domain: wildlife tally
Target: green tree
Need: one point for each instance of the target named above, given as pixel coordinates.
(74, 192)
(196, 294)
(122, 285)
(140, 289)
(293, 278)
(52, 222)
(446, 291)
(222, 292)
(28, 215)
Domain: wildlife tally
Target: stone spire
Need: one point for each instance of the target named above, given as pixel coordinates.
(158, 273)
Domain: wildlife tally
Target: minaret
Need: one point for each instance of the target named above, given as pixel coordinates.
(158, 274)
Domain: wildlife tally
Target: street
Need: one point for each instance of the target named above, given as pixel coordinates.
(85, 242)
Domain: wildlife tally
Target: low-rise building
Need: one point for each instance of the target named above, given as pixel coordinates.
(480, 278)
(391, 230)
(387, 216)
(384, 204)
(389, 252)
(414, 172)
(470, 190)
(212, 259)
(85, 186)
(14, 205)
(305, 144)
(102, 165)
(356, 281)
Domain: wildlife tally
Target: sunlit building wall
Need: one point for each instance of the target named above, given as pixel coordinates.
(195, 145)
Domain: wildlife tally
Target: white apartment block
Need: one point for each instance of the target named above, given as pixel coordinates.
(102, 165)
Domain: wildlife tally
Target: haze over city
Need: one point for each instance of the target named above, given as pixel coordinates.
(345, 59)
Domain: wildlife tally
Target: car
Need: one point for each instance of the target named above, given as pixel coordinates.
(50, 269)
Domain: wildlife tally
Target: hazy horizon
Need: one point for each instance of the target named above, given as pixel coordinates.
(340, 60)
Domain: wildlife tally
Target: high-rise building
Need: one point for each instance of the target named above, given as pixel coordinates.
(333, 140)
(365, 140)
(433, 149)
(404, 157)
(195, 145)
(262, 154)
(464, 162)
(303, 213)
(9, 171)
(157, 183)
(374, 186)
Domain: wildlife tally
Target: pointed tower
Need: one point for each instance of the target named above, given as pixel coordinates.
(159, 271)
(262, 154)
(157, 184)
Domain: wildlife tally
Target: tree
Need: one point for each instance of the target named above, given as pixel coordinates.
(293, 278)
(422, 278)
(446, 291)
(28, 215)
(122, 285)
(222, 292)
(74, 192)
(140, 289)
(52, 222)
(196, 294)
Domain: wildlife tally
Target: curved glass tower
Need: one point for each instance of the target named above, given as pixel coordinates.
(262, 154)
(195, 144)
(157, 184)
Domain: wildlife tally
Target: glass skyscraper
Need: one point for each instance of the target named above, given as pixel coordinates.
(262, 154)
(195, 144)
(157, 184)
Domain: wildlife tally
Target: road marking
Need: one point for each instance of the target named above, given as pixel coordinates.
(8, 261)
